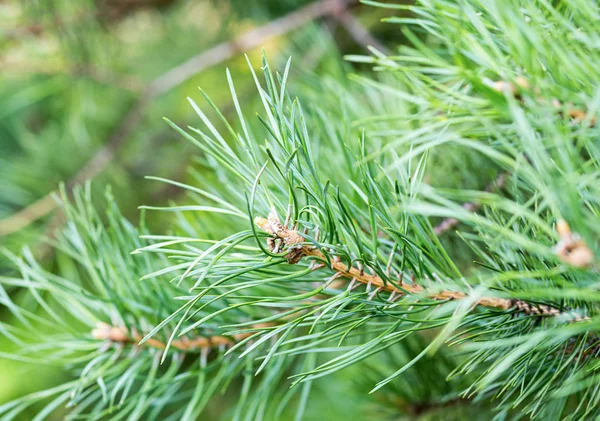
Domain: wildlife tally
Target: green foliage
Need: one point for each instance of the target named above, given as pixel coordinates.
(362, 170)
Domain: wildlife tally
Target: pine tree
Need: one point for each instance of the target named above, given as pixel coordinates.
(425, 232)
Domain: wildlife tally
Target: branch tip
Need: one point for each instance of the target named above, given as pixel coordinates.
(571, 248)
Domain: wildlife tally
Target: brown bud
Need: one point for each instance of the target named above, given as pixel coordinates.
(563, 228)
(522, 82)
(106, 332)
(571, 248)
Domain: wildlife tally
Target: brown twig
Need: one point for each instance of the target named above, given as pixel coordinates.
(296, 250)
(119, 334)
(358, 32)
(451, 223)
(169, 80)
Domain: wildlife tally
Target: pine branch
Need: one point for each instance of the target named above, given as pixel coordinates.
(296, 250)
(370, 209)
(120, 335)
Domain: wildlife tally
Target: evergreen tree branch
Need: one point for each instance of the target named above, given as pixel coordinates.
(120, 335)
(367, 208)
(296, 250)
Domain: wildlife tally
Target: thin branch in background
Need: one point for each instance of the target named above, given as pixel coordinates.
(169, 80)
(24, 217)
(316, 52)
(451, 223)
(358, 32)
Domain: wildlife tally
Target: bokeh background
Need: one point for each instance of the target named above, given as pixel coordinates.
(85, 85)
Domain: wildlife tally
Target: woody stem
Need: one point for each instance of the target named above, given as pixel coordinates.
(292, 238)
